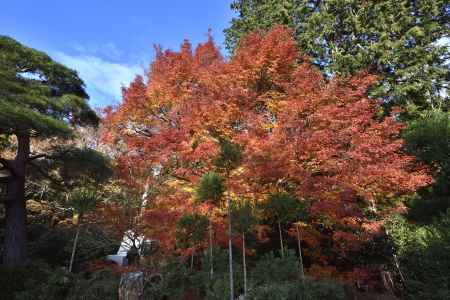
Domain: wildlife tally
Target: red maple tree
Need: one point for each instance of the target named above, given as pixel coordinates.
(323, 140)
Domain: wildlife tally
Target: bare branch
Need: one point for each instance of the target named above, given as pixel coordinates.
(37, 157)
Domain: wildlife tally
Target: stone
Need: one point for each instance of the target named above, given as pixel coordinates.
(131, 286)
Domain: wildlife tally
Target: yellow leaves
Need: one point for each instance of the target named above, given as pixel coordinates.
(75, 219)
(300, 224)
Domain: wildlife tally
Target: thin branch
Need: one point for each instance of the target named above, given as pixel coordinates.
(43, 155)
(180, 178)
(31, 158)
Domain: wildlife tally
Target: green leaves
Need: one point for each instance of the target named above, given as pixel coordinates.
(84, 199)
(230, 155)
(191, 229)
(429, 137)
(211, 187)
(243, 216)
(424, 255)
(283, 207)
(39, 95)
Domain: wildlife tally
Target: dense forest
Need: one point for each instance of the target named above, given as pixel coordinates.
(311, 161)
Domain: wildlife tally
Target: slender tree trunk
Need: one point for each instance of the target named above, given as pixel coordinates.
(302, 272)
(245, 265)
(211, 250)
(281, 239)
(15, 235)
(192, 259)
(230, 250)
(74, 248)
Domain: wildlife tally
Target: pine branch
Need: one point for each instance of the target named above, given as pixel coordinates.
(46, 175)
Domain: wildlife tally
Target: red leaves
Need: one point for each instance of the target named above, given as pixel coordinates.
(322, 138)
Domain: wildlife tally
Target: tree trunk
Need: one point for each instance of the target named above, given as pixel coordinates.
(245, 265)
(302, 272)
(74, 248)
(211, 250)
(192, 259)
(15, 235)
(230, 250)
(281, 239)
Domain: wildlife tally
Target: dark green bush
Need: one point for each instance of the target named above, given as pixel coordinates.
(38, 281)
(291, 290)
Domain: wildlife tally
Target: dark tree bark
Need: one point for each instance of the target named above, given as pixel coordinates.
(15, 237)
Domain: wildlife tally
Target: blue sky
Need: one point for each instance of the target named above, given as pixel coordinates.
(109, 41)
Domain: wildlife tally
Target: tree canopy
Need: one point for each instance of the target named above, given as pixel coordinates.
(402, 41)
(296, 132)
(39, 96)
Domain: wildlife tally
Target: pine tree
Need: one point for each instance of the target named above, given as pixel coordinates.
(39, 98)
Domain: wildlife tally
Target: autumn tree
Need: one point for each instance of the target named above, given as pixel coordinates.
(267, 121)
(39, 99)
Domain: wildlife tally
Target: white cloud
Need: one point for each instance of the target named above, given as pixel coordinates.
(103, 79)
(108, 50)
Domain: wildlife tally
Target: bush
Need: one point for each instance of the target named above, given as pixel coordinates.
(270, 269)
(424, 254)
(38, 281)
(309, 290)
(278, 278)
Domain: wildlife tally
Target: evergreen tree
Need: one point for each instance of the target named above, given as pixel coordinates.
(403, 41)
(39, 98)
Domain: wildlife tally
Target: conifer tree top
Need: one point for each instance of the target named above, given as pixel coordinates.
(39, 96)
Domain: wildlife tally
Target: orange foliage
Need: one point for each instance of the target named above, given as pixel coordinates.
(323, 138)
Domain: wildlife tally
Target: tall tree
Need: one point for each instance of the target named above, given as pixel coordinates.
(266, 121)
(404, 41)
(282, 209)
(82, 200)
(210, 189)
(244, 219)
(39, 98)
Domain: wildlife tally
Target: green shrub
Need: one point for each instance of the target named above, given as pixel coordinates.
(270, 269)
(38, 281)
(103, 284)
(295, 290)
(424, 254)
